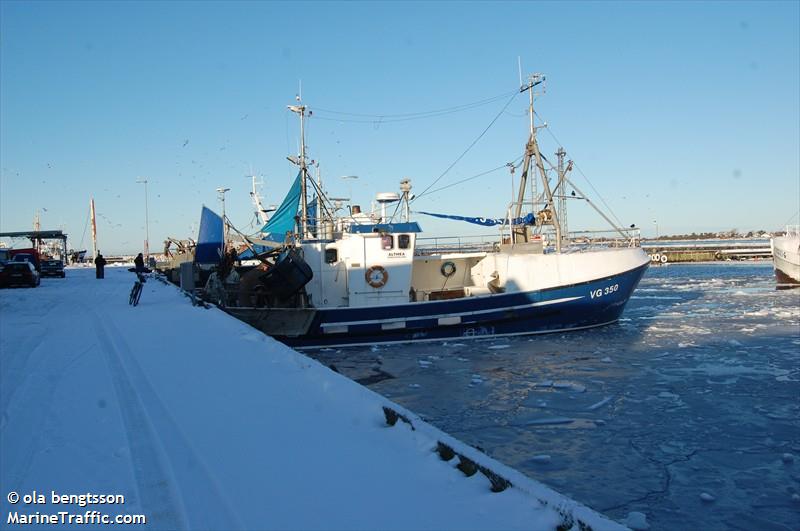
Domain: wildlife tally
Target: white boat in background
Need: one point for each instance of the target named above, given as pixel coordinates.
(355, 279)
(786, 255)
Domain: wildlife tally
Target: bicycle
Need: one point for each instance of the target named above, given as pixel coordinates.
(136, 292)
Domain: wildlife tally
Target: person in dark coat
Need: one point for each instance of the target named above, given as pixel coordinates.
(99, 265)
(138, 262)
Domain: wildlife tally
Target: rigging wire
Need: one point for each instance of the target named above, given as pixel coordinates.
(514, 95)
(402, 117)
(575, 164)
(246, 240)
(85, 224)
(396, 208)
(514, 164)
(791, 218)
(253, 220)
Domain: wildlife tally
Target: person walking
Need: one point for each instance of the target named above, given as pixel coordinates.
(99, 266)
(138, 262)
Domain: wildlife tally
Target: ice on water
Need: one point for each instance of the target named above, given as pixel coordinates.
(598, 405)
(696, 389)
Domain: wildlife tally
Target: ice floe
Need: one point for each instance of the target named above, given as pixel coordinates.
(636, 521)
(570, 386)
(706, 497)
(549, 421)
(598, 405)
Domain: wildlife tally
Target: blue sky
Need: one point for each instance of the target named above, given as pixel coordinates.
(686, 114)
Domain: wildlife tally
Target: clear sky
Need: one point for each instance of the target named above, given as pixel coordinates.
(682, 115)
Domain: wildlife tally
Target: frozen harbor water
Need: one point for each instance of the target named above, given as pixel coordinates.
(687, 411)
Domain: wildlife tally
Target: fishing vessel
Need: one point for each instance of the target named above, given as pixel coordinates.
(786, 255)
(327, 279)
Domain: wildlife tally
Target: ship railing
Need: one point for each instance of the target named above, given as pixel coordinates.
(591, 239)
(575, 241)
(793, 230)
(544, 219)
(456, 244)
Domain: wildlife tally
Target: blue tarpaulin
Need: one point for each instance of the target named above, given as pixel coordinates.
(209, 240)
(283, 220)
(312, 216)
(486, 222)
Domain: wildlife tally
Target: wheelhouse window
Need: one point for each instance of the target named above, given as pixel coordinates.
(403, 241)
(331, 256)
(387, 242)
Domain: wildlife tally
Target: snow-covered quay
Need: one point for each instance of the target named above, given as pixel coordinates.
(199, 422)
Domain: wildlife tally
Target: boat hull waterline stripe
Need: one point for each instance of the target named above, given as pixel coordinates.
(450, 315)
(509, 334)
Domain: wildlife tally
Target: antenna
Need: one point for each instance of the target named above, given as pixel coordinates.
(519, 66)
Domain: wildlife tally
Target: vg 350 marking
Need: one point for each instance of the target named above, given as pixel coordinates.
(599, 292)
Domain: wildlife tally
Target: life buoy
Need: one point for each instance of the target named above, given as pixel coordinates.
(376, 276)
(448, 269)
(664, 259)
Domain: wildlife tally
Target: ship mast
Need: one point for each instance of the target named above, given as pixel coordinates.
(261, 212)
(548, 215)
(94, 229)
(561, 190)
(301, 110)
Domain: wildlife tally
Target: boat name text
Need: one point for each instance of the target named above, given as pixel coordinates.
(599, 292)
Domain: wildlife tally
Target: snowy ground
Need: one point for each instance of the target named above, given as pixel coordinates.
(201, 422)
(687, 411)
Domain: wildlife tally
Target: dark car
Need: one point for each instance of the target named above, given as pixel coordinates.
(22, 257)
(19, 274)
(53, 268)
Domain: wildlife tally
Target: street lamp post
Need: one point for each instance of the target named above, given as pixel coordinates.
(146, 224)
(656, 224)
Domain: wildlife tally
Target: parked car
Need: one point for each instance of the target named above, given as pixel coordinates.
(19, 274)
(27, 255)
(23, 257)
(53, 268)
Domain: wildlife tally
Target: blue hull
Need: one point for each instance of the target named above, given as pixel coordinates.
(594, 303)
